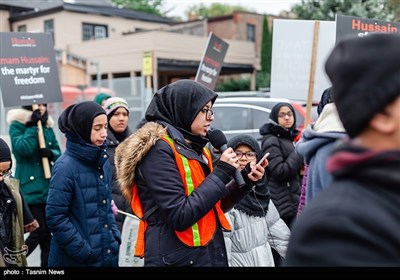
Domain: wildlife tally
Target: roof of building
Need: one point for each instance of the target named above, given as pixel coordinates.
(94, 8)
(46, 4)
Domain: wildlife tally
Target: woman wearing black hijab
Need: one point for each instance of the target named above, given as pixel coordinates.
(283, 171)
(166, 173)
(78, 208)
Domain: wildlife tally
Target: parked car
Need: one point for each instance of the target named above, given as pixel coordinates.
(236, 115)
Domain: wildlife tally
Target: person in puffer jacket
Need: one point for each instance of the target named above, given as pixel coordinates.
(78, 209)
(256, 224)
(167, 174)
(285, 164)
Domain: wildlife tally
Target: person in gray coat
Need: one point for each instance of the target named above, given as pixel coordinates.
(255, 221)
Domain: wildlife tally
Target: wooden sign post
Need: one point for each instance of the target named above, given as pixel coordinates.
(42, 145)
(312, 74)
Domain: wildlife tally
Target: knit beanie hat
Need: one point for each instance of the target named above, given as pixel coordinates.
(247, 140)
(365, 76)
(99, 98)
(114, 103)
(5, 153)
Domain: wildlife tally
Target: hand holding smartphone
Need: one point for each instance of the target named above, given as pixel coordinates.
(263, 158)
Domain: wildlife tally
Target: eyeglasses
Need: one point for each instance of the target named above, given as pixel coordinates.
(5, 173)
(249, 155)
(282, 115)
(209, 113)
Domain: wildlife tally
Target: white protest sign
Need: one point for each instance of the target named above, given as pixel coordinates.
(291, 58)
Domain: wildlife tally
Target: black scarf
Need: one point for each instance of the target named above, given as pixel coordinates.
(257, 201)
(272, 127)
(120, 136)
(178, 105)
(195, 141)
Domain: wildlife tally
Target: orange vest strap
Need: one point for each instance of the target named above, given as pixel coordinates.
(139, 247)
(137, 209)
(192, 175)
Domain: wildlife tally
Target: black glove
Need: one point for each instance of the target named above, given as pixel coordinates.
(44, 152)
(245, 174)
(224, 171)
(36, 116)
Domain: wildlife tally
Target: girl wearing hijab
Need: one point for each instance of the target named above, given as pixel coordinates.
(166, 172)
(78, 209)
(256, 225)
(284, 166)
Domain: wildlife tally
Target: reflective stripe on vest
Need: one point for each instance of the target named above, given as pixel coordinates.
(192, 175)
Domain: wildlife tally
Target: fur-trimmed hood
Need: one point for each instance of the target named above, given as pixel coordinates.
(129, 153)
(23, 116)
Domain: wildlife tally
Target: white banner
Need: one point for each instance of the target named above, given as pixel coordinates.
(128, 241)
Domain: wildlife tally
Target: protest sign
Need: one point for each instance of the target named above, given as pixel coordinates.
(28, 69)
(211, 63)
(348, 25)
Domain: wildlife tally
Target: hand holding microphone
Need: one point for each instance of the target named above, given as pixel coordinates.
(229, 156)
(218, 140)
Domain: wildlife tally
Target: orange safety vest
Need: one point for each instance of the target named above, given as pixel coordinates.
(192, 174)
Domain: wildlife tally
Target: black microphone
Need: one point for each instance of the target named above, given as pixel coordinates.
(218, 140)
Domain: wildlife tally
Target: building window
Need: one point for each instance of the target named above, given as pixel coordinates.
(49, 28)
(251, 32)
(94, 31)
(22, 28)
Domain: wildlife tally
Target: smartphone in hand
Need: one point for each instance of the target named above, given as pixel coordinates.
(261, 161)
(263, 158)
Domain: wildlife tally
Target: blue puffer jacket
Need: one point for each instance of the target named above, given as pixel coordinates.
(78, 208)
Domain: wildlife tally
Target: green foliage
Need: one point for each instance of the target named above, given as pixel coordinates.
(148, 6)
(215, 9)
(263, 79)
(234, 85)
(327, 9)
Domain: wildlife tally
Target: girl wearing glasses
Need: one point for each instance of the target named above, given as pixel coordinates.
(256, 225)
(284, 163)
(166, 172)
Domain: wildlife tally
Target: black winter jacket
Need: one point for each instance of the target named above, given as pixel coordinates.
(283, 170)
